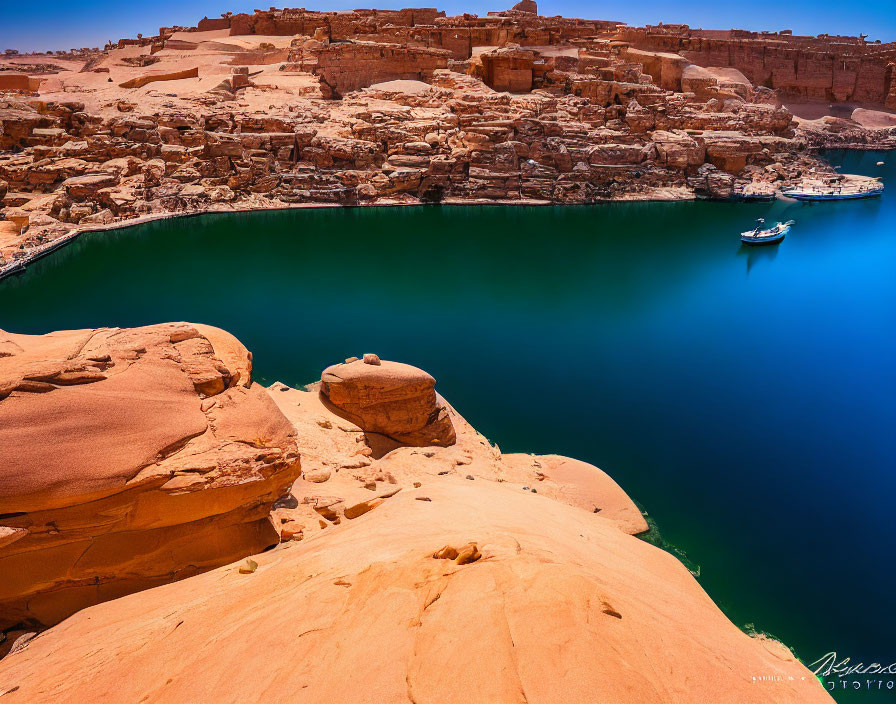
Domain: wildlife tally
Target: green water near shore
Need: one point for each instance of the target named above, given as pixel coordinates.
(745, 397)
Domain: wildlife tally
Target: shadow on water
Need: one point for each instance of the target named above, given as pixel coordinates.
(755, 255)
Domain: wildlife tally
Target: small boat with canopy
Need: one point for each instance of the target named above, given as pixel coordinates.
(772, 235)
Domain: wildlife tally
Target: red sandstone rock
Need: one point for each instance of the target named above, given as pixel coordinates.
(526, 6)
(560, 606)
(508, 107)
(557, 568)
(389, 398)
(151, 78)
(131, 458)
(19, 82)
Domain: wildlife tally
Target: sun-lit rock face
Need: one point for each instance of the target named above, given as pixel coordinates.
(454, 591)
(389, 398)
(413, 106)
(131, 457)
(446, 572)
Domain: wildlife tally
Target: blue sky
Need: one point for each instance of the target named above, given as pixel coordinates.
(61, 24)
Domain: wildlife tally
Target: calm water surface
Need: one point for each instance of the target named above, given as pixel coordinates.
(744, 397)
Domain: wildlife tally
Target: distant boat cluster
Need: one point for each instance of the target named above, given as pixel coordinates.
(807, 192)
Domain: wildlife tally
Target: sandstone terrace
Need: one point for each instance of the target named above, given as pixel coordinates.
(290, 108)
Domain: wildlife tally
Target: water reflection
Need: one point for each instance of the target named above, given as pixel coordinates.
(755, 255)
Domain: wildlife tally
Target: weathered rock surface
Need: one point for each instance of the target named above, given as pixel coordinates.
(437, 573)
(560, 605)
(131, 457)
(283, 108)
(823, 68)
(388, 398)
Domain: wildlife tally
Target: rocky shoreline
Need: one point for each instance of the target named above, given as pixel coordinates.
(291, 108)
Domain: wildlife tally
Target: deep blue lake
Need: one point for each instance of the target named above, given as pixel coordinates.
(745, 397)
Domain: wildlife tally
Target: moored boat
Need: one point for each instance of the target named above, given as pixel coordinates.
(772, 235)
(849, 192)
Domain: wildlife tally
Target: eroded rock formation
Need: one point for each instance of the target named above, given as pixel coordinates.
(391, 399)
(131, 458)
(442, 573)
(289, 107)
(824, 68)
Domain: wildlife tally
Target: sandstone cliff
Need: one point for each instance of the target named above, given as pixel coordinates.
(130, 458)
(292, 107)
(432, 573)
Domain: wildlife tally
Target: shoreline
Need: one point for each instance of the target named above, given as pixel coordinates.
(670, 194)
(21, 265)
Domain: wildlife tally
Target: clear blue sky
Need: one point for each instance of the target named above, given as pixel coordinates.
(61, 24)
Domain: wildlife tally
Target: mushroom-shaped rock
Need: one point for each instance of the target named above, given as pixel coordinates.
(389, 398)
(130, 458)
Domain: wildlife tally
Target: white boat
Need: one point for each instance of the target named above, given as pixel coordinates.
(772, 235)
(849, 192)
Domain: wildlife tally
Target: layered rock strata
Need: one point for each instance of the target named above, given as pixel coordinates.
(291, 107)
(131, 458)
(391, 399)
(823, 68)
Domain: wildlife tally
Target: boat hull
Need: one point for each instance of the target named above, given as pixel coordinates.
(767, 236)
(832, 196)
(759, 241)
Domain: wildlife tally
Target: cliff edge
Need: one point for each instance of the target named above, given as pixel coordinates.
(408, 571)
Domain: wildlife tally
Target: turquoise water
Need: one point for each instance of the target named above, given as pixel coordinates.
(744, 397)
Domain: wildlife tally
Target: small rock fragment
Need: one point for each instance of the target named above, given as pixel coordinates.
(467, 554)
(361, 508)
(372, 359)
(445, 553)
(318, 476)
(291, 530)
(422, 498)
(609, 610)
(248, 567)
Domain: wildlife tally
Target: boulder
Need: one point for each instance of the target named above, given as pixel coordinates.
(388, 398)
(83, 187)
(678, 150)
(131, 458)
(730, 151)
